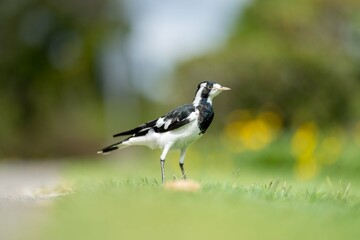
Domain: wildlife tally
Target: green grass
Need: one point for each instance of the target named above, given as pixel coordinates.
(125, 201)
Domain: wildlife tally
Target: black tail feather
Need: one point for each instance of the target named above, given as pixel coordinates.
(109, 148)
(130, 132)
(137, 129)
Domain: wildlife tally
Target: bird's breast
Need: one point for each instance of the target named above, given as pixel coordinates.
(182, 137)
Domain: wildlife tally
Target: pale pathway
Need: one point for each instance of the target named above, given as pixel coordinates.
(21, 206)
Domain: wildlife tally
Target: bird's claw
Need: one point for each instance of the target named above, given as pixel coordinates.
(183, 177)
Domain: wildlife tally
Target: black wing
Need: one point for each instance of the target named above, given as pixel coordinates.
(170, 121)
(175, 119)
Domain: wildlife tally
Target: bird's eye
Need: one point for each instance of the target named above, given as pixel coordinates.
(208, 87)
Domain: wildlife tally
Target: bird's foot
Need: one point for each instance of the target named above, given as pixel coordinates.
(183, 177)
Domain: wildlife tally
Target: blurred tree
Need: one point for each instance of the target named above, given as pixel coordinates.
(300, 58)
(49, 83)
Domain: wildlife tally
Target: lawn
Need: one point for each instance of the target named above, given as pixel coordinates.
(121, 198)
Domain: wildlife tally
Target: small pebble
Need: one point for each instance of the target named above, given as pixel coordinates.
(182, 186)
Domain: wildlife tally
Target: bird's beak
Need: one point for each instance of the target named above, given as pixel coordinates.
(224, 88)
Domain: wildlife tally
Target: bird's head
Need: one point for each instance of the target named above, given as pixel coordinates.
(208, 90)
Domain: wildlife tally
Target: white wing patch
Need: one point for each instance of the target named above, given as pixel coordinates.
(160, 122)
(167, 123)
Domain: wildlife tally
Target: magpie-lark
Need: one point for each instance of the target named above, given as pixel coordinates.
(175, 130)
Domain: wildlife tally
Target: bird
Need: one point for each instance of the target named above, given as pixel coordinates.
(175, 130)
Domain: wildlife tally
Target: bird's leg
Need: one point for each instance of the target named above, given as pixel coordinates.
(181, 163)
(182, 170)
(162, 162)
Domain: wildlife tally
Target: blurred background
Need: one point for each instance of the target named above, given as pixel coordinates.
(72, 73)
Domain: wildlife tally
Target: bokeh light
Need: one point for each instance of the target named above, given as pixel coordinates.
(249, 131)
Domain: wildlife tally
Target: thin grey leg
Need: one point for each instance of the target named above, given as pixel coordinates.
(162, 162)
(181, 163)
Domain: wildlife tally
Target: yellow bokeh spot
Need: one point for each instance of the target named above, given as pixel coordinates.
(303, 145)
(255, 134)
(306, 168)
(304, 141)
(247, 132)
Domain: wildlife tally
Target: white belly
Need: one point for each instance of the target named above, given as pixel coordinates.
(179, 138)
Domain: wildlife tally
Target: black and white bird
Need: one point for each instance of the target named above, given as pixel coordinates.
(175, 130)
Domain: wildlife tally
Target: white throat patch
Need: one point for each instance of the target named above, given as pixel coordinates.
(197, 99)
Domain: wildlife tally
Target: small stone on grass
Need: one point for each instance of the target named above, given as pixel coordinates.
(182, 186)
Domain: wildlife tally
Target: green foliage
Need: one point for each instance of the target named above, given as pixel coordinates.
(299, 58)
(49, 86)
